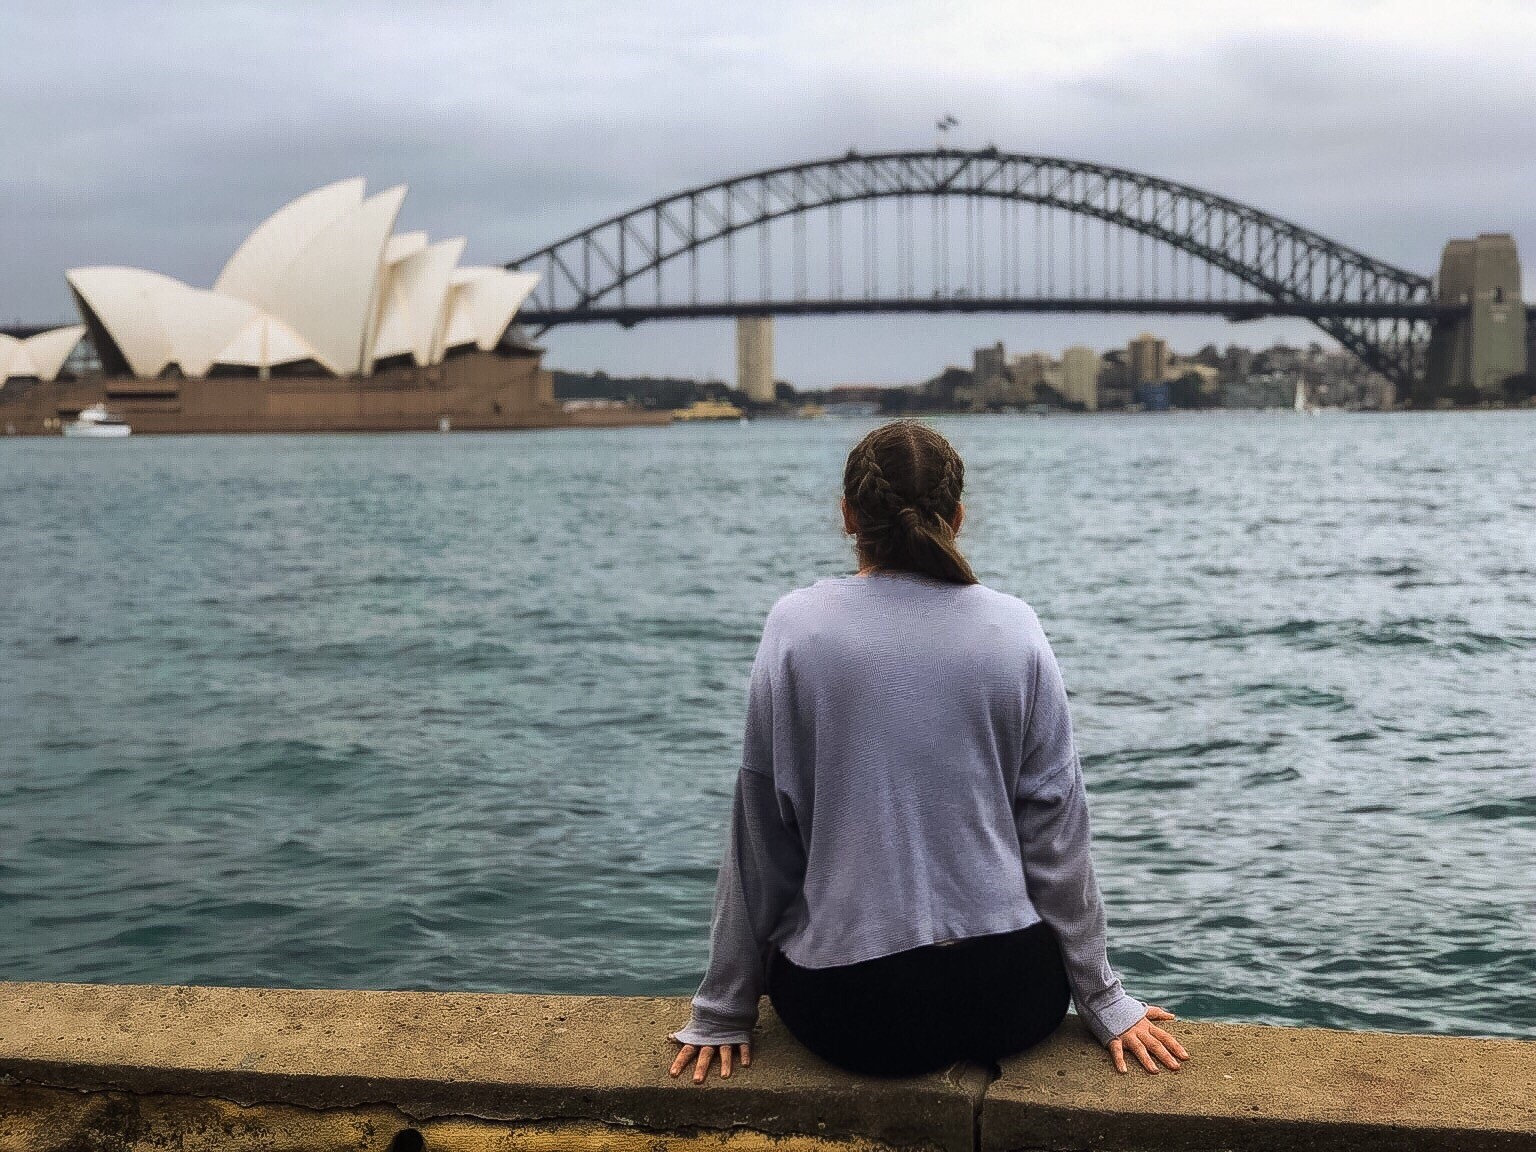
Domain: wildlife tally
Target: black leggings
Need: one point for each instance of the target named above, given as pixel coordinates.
(917, 1011)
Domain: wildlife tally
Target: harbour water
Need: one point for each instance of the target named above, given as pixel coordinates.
(464, 711)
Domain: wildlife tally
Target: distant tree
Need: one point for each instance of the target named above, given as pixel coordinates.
(939, 392)
(1188, 391)
(784, 391)
(1520, 387)
(651, 392)
(1045, 394)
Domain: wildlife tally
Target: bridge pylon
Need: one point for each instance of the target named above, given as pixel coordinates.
(754, 358)
(1471, 354)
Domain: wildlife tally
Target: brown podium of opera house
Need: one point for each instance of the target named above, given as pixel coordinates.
(472, 390)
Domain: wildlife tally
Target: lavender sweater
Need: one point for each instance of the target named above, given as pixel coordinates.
(908, 777)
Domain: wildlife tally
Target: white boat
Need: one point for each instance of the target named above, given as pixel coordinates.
(96, 422)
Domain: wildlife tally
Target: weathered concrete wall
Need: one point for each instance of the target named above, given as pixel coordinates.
(1247, 1086)
(515, 1070)
(124, 1067)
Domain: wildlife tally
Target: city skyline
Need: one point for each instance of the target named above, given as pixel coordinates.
(1391, 129)
(1076, 371)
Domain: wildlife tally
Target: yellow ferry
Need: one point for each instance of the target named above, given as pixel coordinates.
(709, 410)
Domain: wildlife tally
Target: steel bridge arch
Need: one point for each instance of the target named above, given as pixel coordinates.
(1376, 310)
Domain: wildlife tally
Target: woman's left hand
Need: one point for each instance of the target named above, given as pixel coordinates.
(706, 1057)
(1146, 1040)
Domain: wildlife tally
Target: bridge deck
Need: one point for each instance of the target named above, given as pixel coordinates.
(630, 314)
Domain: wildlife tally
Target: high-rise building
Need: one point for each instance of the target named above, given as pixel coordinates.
(989, 365)
(754, 358)
(1080, 376)
(1148, 360)
(1031, 368)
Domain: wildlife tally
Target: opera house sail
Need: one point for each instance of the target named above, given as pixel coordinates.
(323, 319)
(40, 356)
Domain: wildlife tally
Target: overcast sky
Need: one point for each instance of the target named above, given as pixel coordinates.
(158, 135)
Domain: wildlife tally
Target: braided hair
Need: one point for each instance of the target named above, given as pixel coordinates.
(902, 484)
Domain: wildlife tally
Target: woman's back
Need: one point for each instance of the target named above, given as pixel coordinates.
(896, 711)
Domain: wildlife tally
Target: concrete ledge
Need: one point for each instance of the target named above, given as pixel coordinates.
(533, 1064)
(61, 1120)
(1248, 1086)
(112, 1068)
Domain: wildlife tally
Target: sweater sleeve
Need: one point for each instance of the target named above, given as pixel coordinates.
(1051, 811)
(763, 869)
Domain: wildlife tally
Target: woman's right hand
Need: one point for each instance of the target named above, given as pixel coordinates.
(706, 1054)
(1146, 1040)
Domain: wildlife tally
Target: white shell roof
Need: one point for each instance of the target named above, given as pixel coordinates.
(402, 245)
(482, 304)
(322, 278)
(264, 257)
(198, 324)
(265, 342)
(123, 299)
(413, 308)
(49, 350)
(41, 355)
(157, 321)
(327, 294)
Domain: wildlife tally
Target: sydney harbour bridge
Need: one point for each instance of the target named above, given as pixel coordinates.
(991, 231)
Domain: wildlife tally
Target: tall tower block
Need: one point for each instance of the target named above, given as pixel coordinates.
(1080, 376)
(754, 358)
(1148, 358)
(1481, 349)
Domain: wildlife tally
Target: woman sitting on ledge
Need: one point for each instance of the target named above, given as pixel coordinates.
(908, 872)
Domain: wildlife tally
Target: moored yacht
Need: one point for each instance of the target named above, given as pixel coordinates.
(96, 422)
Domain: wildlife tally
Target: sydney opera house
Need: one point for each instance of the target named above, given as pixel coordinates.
(324, 319)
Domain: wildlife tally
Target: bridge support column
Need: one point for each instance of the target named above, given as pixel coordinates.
(1470, 357)
(754, 358)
